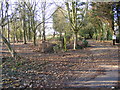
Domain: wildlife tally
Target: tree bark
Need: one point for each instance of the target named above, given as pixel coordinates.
(44, 38)
(29, 33)
(65, 42)
(34, 37)
(4, 40)
(24, 32)
(24, 25)
(2, 18)
(75, 41)
(13, 53)
(34, 31)
(43, 19)
(8, 33)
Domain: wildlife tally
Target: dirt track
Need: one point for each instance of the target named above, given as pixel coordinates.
(80, 68)
(106, 57)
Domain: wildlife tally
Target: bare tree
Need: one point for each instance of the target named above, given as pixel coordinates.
(76, 20)
(3, 23)
(43, 20)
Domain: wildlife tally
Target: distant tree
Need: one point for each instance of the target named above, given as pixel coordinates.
(60, 24)
(103, 19)
(8, 30)
(43, 20)
(30, 22)
(103, 10)
(22, 11)
(59, 21)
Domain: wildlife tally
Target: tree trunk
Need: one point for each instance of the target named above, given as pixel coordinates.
(34, 37)
(16, 37)
(44, 38)
(4, 40)
(34, 31)
(2, 19)
(54, 34)
(43, 19)
(75, 41)
(13, 53)
(29, 33)
(90, 35)
(40, 34)
(8, 33)
(61, 41)
(15, 32)
(24, 25)
(24, 32)
(44, 45)
(60, 36)
(65, 47)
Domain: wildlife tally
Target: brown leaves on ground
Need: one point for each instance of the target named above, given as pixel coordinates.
(55, 70)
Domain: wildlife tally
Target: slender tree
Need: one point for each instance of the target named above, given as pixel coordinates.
(43, 20)
(8, 31)
(76, 20)
(13, 53)
(24, 23)
(3, 23)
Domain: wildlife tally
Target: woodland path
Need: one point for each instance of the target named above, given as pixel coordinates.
(94, 66)
(107, 58)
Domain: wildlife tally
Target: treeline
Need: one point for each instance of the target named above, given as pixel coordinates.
(84, 20)
(22, 24)
(25, 21)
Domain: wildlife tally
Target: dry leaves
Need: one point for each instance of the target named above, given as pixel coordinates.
(38, 70)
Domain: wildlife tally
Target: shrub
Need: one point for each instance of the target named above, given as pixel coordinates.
(49, 48)
(85, 43)
(56, 48)
(52, 48)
